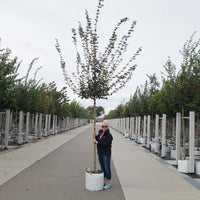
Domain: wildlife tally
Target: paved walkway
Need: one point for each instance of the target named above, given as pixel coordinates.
(58, 174)
(54, 168)
(144, 176)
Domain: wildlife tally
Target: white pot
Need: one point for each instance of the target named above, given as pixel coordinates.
(167, 149)
(94, 181)
(197, 154)
(126, 134)
(153, 147)
(141, 140)
(183, 166)
(173, 154)
(198, 168)
(133, 136)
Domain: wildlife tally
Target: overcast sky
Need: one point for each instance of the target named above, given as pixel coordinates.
(29, 29)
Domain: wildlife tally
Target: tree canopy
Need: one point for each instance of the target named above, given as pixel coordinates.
(97, 75)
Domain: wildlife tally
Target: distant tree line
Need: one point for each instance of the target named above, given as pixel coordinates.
(177, 91)
(30, 94)
(99, 110)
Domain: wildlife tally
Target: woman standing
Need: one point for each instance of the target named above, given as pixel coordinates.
(104, 144)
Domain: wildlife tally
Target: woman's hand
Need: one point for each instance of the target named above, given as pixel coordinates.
(95, 141)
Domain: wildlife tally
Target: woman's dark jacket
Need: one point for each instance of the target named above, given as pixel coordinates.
(104, 143)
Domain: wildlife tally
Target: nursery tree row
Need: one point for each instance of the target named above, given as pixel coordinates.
(32, 95)
(176, 92)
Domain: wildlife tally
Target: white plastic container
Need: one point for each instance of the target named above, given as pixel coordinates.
(167, 149)
(133, 136)
(197, 154)
(173, 154)
(126, 134)
(153, 147)
(198, 168)
(141, 140)
(94, 181)
(183, 166)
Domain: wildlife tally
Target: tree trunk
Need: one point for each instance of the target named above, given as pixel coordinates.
(94, 161)
(183, 132)
(197, 132)
(171, 125)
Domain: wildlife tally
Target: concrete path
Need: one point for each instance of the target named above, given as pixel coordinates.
(54, 168)
(59, 174)
(16, 160)
(144, 176)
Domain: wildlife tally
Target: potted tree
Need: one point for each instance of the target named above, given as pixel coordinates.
(197, 152)
(97, 73)
(183, 165)
(187, 82)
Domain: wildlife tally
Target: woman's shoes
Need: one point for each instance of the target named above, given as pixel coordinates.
(106, 186)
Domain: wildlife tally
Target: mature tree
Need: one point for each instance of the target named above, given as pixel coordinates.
(98, 74)
(75, 109)
(153, 87)
(166, 97)
(30, 95)
(189, 77)
(27, 96)
(8, 74)
(90, 110)
(153, 84)
(111, 115)
(99, 110)
(117, 113)
(135, 102)
(144, 100)
(170, 70)
(120, 110)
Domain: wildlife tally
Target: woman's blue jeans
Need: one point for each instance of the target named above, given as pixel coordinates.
(104, 162)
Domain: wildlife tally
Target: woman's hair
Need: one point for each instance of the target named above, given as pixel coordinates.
(105, 123)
